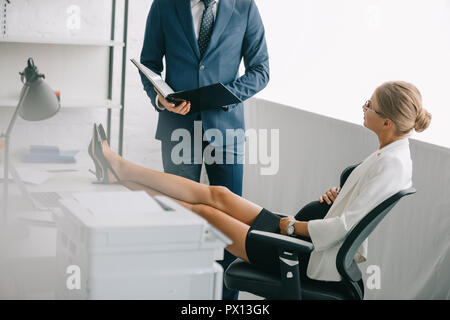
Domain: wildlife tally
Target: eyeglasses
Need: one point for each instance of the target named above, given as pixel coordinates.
(368, 106)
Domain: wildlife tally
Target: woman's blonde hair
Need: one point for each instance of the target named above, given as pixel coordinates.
(402, 103)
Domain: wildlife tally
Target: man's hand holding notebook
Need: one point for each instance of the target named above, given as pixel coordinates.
(183, 107)
(200, 99)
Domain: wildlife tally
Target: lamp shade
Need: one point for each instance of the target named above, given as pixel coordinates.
(40, 102)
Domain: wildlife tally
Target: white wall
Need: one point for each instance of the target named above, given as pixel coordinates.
(328, 56)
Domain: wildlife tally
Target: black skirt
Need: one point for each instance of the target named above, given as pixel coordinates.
(265, 257)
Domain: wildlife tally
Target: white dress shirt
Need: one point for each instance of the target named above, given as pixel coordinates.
(379, 176)
(197, 7)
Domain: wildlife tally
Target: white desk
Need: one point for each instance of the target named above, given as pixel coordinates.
(27, 263)
(28, 268)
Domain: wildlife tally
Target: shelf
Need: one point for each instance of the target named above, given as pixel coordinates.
(62, 41)
(72, 104)
(32, 41)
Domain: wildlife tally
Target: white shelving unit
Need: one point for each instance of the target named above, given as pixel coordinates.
(57, 43)
(61, 41)
(86, 103)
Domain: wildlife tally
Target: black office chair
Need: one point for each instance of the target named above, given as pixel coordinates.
(244, 277)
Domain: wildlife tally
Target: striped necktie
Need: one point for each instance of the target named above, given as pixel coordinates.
(206, 26)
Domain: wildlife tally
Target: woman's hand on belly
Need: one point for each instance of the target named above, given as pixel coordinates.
(330, 195)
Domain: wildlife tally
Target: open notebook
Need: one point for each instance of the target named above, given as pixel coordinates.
(203, 98)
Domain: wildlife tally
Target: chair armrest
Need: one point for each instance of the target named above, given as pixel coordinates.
(282, 241)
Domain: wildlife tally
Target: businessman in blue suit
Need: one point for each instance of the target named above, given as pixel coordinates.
(203, 43)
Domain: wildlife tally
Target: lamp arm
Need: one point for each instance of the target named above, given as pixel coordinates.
(6, 136)
(23, 95)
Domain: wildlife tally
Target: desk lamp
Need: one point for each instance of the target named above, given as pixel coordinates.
(37, 102)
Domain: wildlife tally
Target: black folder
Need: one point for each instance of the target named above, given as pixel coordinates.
(203, 98)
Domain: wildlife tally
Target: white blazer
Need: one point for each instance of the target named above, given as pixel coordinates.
(382, 174)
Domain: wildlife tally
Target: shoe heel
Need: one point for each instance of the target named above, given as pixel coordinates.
(91, 150)
(101, 132)
(100, 157)
(105, 180)
(100, 182)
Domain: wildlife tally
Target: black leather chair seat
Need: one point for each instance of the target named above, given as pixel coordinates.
(242, 276)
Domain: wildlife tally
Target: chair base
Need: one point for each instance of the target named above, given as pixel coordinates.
(243, 276)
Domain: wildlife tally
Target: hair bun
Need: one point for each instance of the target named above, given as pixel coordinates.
(423, 120)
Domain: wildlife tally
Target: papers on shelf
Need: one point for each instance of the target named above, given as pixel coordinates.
(49, 154)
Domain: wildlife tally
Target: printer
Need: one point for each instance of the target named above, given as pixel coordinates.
(129, 245)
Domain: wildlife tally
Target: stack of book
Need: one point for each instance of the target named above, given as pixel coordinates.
(49, 154)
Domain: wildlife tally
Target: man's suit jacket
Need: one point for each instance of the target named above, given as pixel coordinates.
(382, 174)
(238, 33)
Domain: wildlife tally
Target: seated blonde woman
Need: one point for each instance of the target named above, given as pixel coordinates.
(392, 112)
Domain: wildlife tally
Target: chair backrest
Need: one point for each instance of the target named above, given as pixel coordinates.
(345, 173)
(345, 263)
(345, 258)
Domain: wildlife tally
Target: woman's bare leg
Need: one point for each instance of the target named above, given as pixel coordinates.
(231, 227)
(184, 189)
(134, 186)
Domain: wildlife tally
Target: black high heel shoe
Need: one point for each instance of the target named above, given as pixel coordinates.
(102, 132)
(97, 172)
(104, 164)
